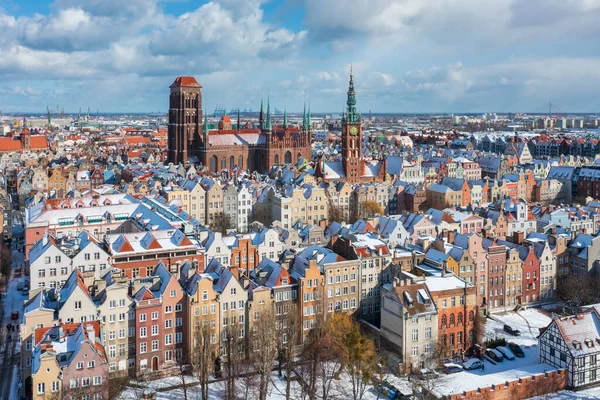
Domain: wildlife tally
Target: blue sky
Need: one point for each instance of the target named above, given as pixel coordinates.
(407, 55)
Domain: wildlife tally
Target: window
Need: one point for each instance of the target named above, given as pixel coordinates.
(73, 383)
(143, 332)
(143, 347)
(85, 382)
(77, 305)
(415, 351)
(142, 317)
(91, 364)
(173, 293)
(205, 295)
(97, 380)
(154, 316)
(168, 309)
(415, 319)
(415, 335)
(168, 339)
(55, 386)
(41, 388)
(154, 345)
(428, 332)
(154, 330)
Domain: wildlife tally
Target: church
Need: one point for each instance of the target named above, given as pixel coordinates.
(225, 148)
(353, 167)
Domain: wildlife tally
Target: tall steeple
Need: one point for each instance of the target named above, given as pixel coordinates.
(268, 114)
(308, 123)
(304, 124)
(261, 116)
(351, 114)
(238, 119)
(285, 121)
(205, 126)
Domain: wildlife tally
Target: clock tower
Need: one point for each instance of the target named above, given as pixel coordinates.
(352, 137)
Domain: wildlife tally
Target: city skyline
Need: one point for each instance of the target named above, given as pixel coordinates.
(407, 57)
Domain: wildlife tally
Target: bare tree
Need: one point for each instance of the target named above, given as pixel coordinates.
(233, 352)
(203, 355)
(5, 260)
(288, 334)
(264, 346)
(220, 223)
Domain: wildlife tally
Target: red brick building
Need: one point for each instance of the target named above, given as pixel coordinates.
(254, 149)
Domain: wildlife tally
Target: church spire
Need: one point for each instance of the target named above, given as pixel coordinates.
(352, 115)
(261, 116)
(304, 124)
(308, 123)
(238, 119)
(285, 121)
(268, 114)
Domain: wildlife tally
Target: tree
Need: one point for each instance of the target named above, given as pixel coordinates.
(263, 215)
(232, 350)
(288, 333)
(576, 290)
(203, 358)
(355, 351)
(220, 223)
(336, 213)
(264, 345)
(370, 208)
(5, 260)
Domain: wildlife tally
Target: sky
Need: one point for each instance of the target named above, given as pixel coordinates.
(407, 55)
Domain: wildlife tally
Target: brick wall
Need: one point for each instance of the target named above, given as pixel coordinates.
(522, 388)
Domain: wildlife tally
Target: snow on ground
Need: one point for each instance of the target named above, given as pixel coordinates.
(529, 323)
(340, 389)
(587, 394)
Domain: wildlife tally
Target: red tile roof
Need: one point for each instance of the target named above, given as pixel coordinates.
(38, 142)
(8, 144)
(185, 81)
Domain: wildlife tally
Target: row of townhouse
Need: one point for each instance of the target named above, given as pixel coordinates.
(146, 323)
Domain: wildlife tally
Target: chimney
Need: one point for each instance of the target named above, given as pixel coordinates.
(445, 233)
(61, 333)
(518, 237)
(438, 245)
(451, 235)
(91, 332)
(396, 282)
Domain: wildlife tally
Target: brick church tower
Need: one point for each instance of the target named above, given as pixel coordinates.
(352, 137)
(185, 119)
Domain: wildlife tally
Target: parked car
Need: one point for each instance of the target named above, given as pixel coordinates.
(428, 373)
(451, 368)
(510, 330)
(516, 350)
(494, 354)
(472, 363)
(506, 353)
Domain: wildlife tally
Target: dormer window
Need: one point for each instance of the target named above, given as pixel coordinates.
(576, 345)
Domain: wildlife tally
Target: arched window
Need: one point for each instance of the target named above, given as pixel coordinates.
(231, 162)
(223, 163)
(213, 164)
(471, 315)
(444, 321)
(460, 317)
(451, 319)
(288, 157)
(241, 162)
(276, 159)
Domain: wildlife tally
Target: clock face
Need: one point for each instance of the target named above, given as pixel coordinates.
(354, 130)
